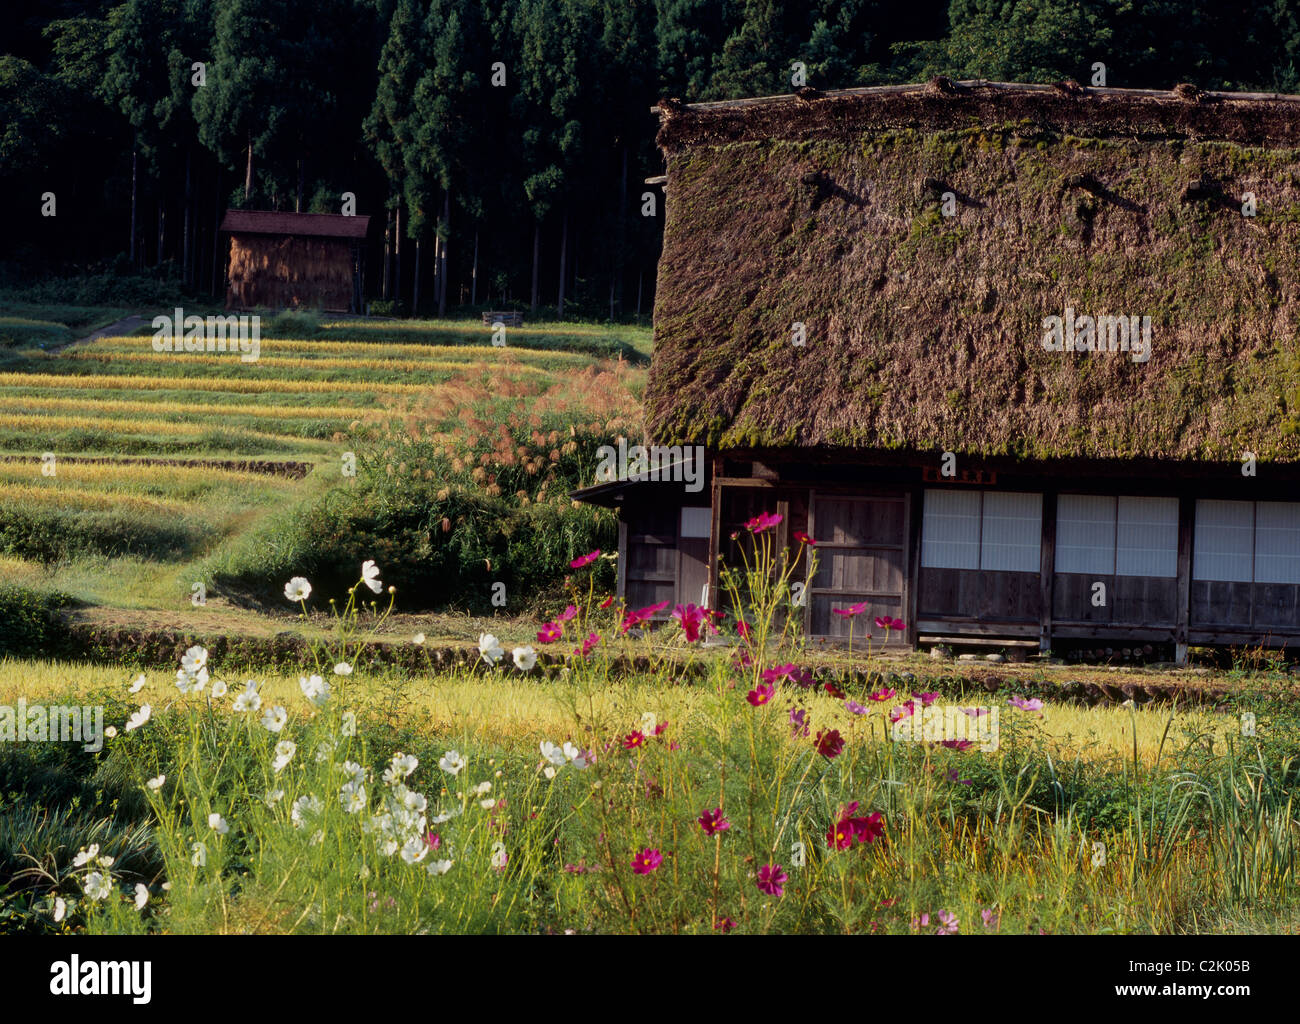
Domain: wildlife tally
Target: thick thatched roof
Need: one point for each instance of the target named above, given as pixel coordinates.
(310, 225)
(924, 331)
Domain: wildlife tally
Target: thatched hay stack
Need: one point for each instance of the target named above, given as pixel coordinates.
(287, 260)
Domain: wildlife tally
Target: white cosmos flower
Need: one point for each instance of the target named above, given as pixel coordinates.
(343, 669)
(139, 718)
(438, 867)
(191, 681)
(249, 699)
(418, 638)
(489, 648)
(552, 753)
(219, 689)
(353, 797)
(111, 731)
(416, 802)
(84, 856)
(574, 756)
(414, 850)
(304, 806)
(106, 861)
(274, 718)
(451, 762)
(284, 751)
(370, 575)
(200, 856)
(138, 685)
(446, 816)
(499, 857)
(481, 789)
(649, 721)
(549, 772)
(194, 659)
(297, 589)
(349, 726)
(405, 764)
(388, 847)
(141, 895)
(218, 824)
(354, 771)
(98, 885)
(524, 657)
(273, 797)
(487, 805)
(156, 783)
(61, 908)
(325, 749)
(315, 689)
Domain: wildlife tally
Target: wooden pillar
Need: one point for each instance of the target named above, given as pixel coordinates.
(620, 590)
(715, 538)
(1046, 573)
(916, 507)
(1186, 515)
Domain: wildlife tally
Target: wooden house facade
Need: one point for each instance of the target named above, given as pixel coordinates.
(861, 299)
(295, 260)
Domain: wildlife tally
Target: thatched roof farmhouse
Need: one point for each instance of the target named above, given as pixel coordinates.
(1003, 350)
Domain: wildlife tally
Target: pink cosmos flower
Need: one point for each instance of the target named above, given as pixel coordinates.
(1032, 704)
(926, 699)
(433, 840)
(854, 609)
(582, 560)
(725, 924)
(990, 919)
(886, 623)
(885, 694)
(852, 828)
(803, 538)
(690, 618)
(798, 722)
(742, 629)
(607, 602)
(646, 861)
(588, 645)
(957, 744)
(567, 614)
(763, 521)
(903, 711)
(771, 879)
(830, 744)
(713, 822)
(973, 712)
(642, 615)
(854, 708)
(761, 695)
(549, 633)
(633, 740)
(778, 673)
(947, 923)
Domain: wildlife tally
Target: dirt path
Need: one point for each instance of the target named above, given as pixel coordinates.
(126, 325)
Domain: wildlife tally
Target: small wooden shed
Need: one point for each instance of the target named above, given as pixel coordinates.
(295, 260)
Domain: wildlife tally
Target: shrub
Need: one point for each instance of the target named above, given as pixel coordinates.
(28, 620)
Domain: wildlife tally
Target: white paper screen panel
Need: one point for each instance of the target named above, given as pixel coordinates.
(696, 522)
(1013, 531)
(1277, 542)
(1146, 537)
(950, 530)
(1222, 544)
(1085, 534)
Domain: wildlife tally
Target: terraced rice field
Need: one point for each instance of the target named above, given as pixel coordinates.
(129, 528)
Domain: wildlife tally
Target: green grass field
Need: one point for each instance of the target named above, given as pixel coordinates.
(135, 528)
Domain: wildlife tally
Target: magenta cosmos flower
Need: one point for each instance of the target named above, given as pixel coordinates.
(763, 521)
(646, 861)
(690, 618)
(642, 615)
(886, 623)
(587, 559)
(830, 744)
(851, 610)
(587, 645)
(1032, 704)
(761, 694)
(803, 538)
(771, 879)
(885, 694)
(568, 613)
(549, 633)
(926, 699)
(713, 822)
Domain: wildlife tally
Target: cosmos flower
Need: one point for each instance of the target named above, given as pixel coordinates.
(642, 615)
(156, 783)
(138, 685)
(489, 648)
(524, 658)
(451, 762)
(690, 618)
(885, 694)
(646, 861)
(849, 612)
(633, 740)
(771, 879)
(713, 822)
(763, 521)
(830, 743)
(343, 669)
(284, 751)
(761, 694)
(1032, 704)
(798, 722)
(274, 718)
(139, 718)
(549, 633)
(249, 699)
(569, 612)
(297, 589)
(218, 824)
(584, 560)
(803, 538)
(370, 575)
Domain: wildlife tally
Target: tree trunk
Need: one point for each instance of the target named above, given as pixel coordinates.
(640, 275)
(388, 248)
(187, 271)
(248, 171)
(162, 220)
(473, 275)
(564, 256)
(442, 265)
(397, 242)
(621, 246)
(415, 301)
(216, 234)
(537, 248)
(297, 206)
(135, 161)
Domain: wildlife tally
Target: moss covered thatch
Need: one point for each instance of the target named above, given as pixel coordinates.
(924, 331)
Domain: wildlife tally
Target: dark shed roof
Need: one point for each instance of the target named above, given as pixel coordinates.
(314, 225)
